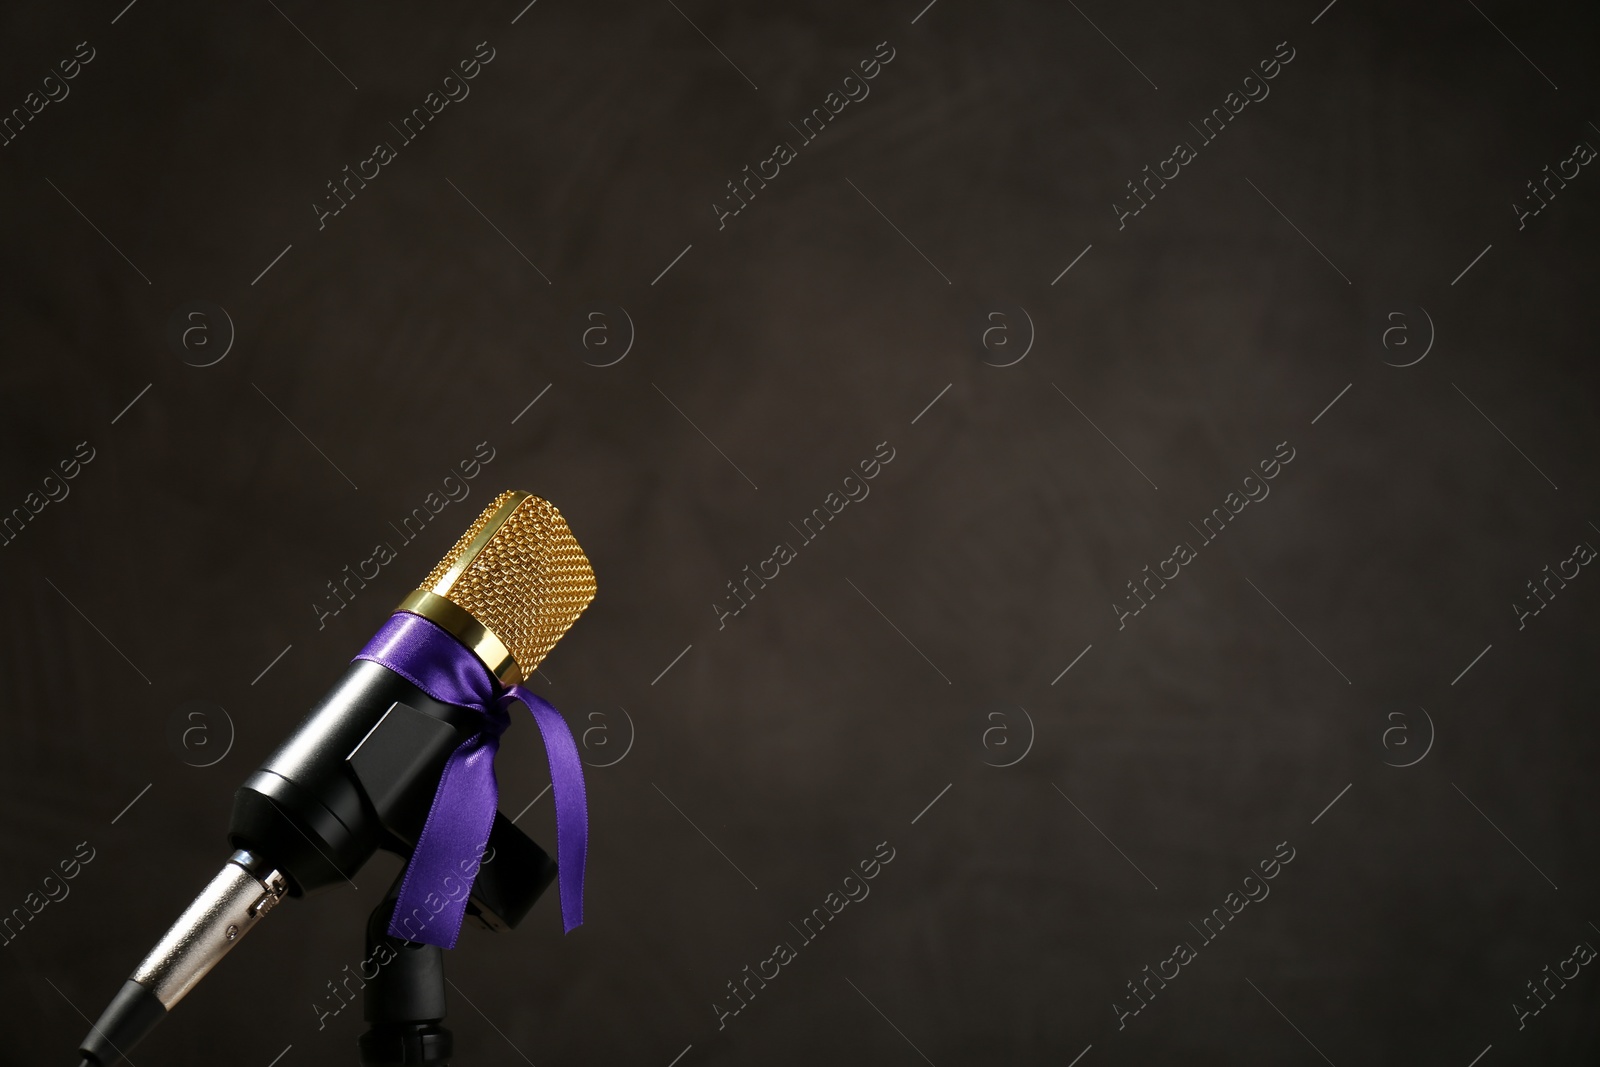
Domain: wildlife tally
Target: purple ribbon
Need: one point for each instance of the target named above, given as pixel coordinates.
(454, 838)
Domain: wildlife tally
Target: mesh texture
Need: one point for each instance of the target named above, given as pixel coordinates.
(528, 583)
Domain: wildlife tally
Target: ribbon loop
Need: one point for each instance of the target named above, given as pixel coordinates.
(438, 878)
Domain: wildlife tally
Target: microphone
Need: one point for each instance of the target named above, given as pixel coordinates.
(362, 771)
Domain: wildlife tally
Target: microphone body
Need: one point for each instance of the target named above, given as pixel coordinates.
(358, 774)
(307, 806)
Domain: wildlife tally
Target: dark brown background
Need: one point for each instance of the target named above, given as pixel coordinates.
(798, 338)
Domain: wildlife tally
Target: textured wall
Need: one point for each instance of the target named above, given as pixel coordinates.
(951, 274)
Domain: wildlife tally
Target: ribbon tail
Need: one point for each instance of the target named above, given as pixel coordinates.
(438, 881)
(571, 801)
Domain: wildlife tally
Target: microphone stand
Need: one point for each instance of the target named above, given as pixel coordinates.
(405, 1001)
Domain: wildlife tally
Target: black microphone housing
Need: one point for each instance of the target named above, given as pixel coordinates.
(358, 774)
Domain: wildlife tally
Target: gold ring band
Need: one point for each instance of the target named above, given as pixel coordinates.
(482, 641)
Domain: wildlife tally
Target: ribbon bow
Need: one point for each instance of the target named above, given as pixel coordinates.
(451, 845)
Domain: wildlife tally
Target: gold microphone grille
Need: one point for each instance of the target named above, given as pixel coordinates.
(520, 572)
